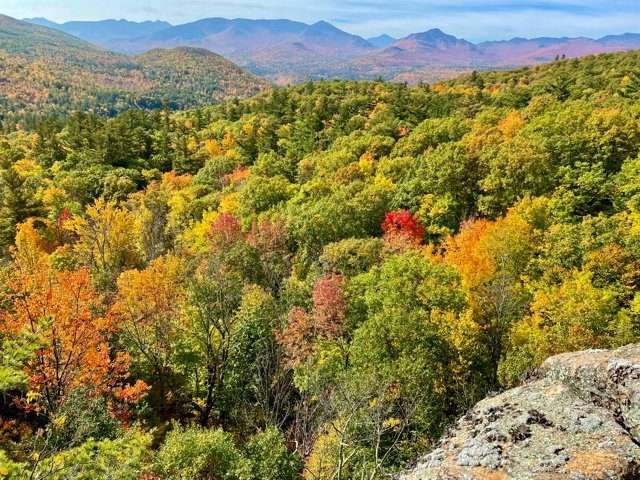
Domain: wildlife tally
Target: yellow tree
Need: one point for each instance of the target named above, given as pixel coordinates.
(148, 312)
(105, 241)
(491, 257)
(574, 315)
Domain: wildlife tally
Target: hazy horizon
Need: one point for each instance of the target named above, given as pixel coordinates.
(474, 20)
(346, 29)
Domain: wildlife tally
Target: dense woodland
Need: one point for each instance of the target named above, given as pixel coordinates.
(311, 283)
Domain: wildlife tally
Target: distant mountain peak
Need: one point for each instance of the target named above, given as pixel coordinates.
(433, 36)
(323, 24)
(325, 27)
(324, 31)
(633, 38)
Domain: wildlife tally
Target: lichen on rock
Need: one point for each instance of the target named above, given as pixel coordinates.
(578, 418)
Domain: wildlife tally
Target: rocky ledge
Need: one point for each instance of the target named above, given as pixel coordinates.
(577, 419)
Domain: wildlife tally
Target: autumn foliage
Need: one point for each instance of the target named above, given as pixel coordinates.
(337, 268)
(63, 311)
(467, 253)
(147, 310)
(329, 305)
(403, 225)
(225, 230)
(325, 321)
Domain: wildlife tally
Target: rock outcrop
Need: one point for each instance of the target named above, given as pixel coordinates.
(577, 419)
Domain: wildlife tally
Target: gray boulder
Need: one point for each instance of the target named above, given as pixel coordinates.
(577, 419)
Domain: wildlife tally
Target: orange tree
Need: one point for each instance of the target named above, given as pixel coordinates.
(63, 310)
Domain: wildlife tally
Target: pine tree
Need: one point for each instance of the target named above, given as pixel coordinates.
(17, 204)
(560, 87)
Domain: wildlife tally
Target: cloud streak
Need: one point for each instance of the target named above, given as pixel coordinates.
(472, 19)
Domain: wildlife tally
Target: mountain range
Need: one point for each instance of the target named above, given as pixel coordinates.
(105, 32)
(43, 70)
(286, 51)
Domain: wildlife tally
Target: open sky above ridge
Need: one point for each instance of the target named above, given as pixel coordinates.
(474, 20)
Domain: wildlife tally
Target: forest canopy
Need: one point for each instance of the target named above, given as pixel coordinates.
(313, 282)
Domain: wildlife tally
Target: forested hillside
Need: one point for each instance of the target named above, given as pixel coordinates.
(46, 72)
(313, 282)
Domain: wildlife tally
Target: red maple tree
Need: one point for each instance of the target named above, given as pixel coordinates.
(403, 224)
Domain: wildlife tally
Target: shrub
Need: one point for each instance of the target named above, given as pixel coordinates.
(193, 453)
(269, 458)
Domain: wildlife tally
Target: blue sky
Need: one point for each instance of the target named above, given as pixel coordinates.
(471, 19)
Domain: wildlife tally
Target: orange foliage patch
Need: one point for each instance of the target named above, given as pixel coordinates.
(63, 310)
(465, 251)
